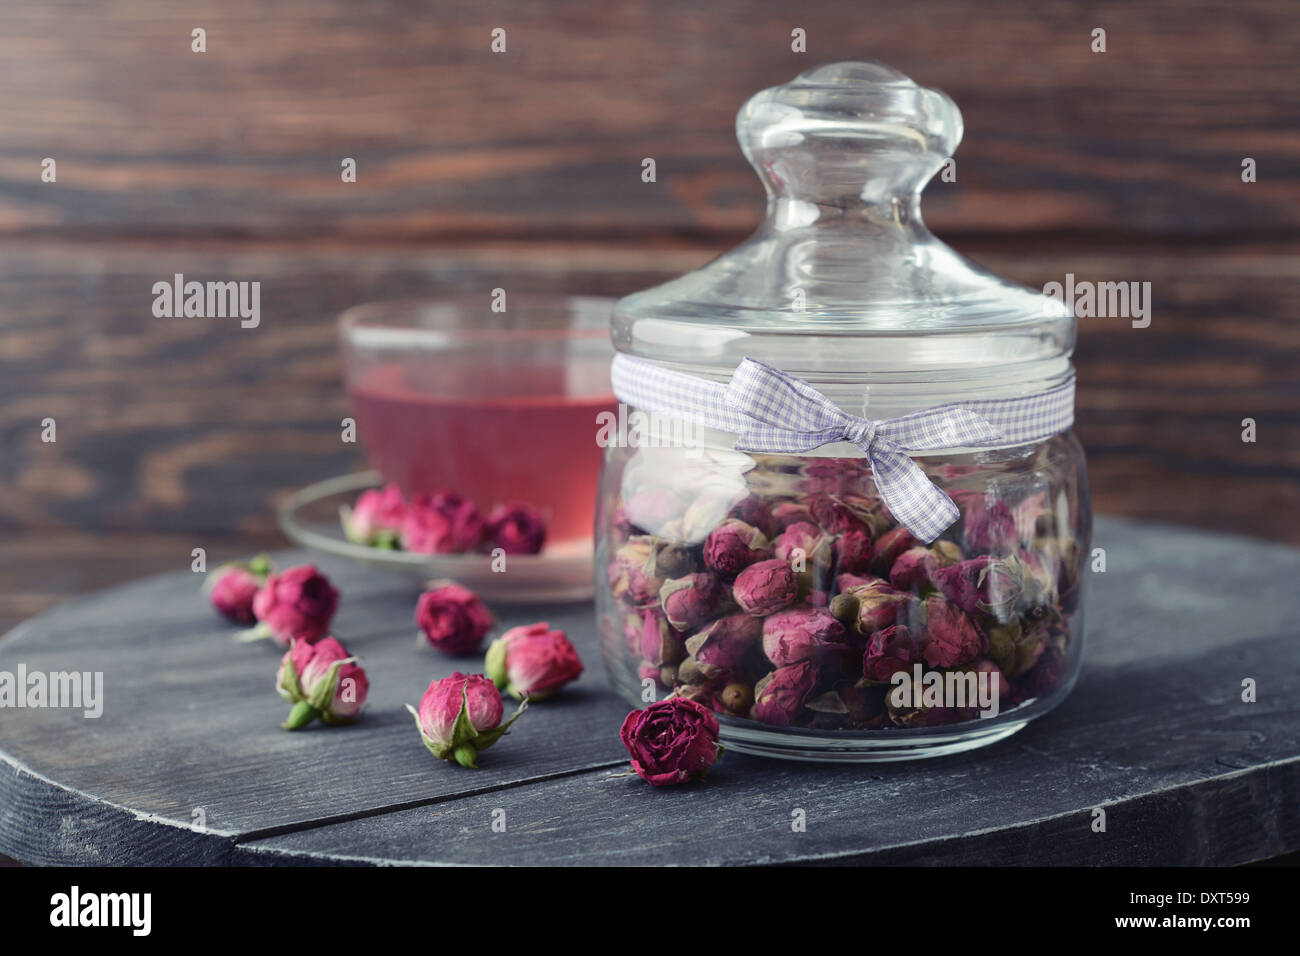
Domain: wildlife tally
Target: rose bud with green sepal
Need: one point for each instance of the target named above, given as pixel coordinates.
(659, 643)
(779, 698)
(691, 601)
(670, 742)
(766, 587)
(461, 715)
(376, 518)
(323, 682)
(532, 661)
(733, 546)
(870, 607)
(232, 587)
(452, 618)
(296, 604)
(633, 575)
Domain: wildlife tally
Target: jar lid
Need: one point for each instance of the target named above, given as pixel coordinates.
(843, 283)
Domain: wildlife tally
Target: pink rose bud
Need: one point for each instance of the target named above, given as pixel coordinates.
(691, 601)
(754, 512)
(853, 551)
(804, 538)
(788, 513)
(965, 583)
(466, 527)
(780, 697)
(889, 650)
(232, 587)
(532, 661)
(888, 547)
(452, 618)
(801, 633)
(766, 587)
(516, 529)
(838, 514)
(733, 546)
(634, 577)
(461, 715)
(322, 681)
(869, 608)
(721, 646)
(426, 530)
(913, 569)
(376, 519)
(990, 527)
(951, 636)
(294, 605)
(672, 741)
(657, 641)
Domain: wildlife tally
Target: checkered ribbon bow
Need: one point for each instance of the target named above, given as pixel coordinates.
(776, 413)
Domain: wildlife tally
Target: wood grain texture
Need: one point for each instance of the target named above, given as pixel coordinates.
(1155, 732)
(547, 139)
(197, 426)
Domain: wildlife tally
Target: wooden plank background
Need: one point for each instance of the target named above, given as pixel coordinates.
(523, 169)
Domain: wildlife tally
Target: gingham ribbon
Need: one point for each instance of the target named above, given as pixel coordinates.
(776, 413)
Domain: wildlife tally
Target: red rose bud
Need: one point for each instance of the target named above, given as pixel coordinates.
(376, 519)
(532, 662)
(294, 605)
(838, 514)
(788, 513)
(779, 698)
(516, 529)
(964, 583)
(720, 647)
(889, 650)
(232, 587)
(691, 601)
(799, 634)
(468, 528)
(807, 539)
(847, 582)
(951, 636)
(426, 530)
(658, 642)
(853, 551)
(672, 741)
(889, 546)
(913, 569)
(754, 512)
(869, 608)
(633, 576)
(990, 528)
(322, 681)
(452, 618)
(733, 546)
(461, 715)
(766, 587)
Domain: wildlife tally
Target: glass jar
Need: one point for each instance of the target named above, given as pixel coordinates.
(782, 587)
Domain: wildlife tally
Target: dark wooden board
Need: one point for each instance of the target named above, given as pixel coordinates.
(1155, 732)
(547, 139)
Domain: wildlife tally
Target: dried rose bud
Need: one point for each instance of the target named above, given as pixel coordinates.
(376, 519)
(736, 698)
(721, 646)
(801, 633)
(688, 672)
(923, 716)
(847, 582)
(295, 605)
(853, 550)
(890, 650)
(837, 514)
(965, 583)
(754, 512)
(871, 607)
(650, 510)
(804, 538)
(232, 587)
(532, 661)
(888, 547)
(779, 697)
(733, 546)
(914, 567)
(990, 528)
(452, 618)
(951, 636)
(633, 576)
(1016, 646)
(675, 561)
(659, 642)
(516, 529)
(322, 681)
(1037, 582)
(691, 601)
(787, 513)
(461, 715)
(460, 529)
(766, 587)
(672, 741)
